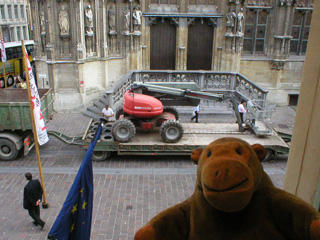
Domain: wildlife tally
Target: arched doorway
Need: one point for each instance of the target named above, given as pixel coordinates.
(163, 45)
(200, 44)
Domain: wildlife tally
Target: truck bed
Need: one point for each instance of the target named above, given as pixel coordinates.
(196, 135)
(15, 108)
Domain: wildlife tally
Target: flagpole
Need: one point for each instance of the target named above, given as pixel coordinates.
(3, 66)
(35, 136)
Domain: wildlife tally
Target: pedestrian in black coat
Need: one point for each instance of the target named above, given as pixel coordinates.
(32, 196)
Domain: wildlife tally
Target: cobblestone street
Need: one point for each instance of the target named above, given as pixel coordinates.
(128, 190)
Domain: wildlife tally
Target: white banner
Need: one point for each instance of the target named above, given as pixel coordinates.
(36, 107)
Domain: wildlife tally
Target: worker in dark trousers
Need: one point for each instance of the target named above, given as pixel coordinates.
(32, 196)
(241, 109)
(196, 110)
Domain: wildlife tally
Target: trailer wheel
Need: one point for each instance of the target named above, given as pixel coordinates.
(172, 110)
(99, 156)
(2, 85)
(171, 131)
(123, 130)
(8, 150)
(269, 155)
(10, 80)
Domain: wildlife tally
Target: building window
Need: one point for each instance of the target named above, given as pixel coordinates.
(300, 32)
(9, 11)
(6, 35)
(202, 2)
(293, 99)
(18, 34)
(25, 34)
(22, 11)
(16, 16)
(3, 16)
(12, 37)
(255, 31)
(164, 1)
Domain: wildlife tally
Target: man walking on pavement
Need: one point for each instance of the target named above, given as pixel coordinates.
(32, 196)
(196, 110)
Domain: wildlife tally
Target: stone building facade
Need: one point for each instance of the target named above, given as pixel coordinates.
(84, 46)
(14, 20)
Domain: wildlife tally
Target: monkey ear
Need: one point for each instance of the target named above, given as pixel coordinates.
(196, 155)
(260, 151)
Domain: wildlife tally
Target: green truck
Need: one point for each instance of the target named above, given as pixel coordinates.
(15, 121)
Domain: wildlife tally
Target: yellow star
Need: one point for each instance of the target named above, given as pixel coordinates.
(72, 227)
(82, 192)
(74, 209)
(84, 205)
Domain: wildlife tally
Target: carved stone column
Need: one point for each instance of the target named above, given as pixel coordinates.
(234, 33)
(182, 43)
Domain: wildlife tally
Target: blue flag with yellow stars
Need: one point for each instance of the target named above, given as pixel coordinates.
(74, 219)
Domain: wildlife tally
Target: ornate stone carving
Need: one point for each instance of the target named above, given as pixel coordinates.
(249, 90)
(300, 3)
(277, 64)
(191, 21)
(213, 21)
(231, 19)
(118, 93)
(80, 47)
(240, 19)
(42, 24)
(181, 78)
(112, 19)
(136, 15)
(64, 23)
(285, 2)
(237, 2)
(217, 82)
(258, 3)
(175, 21)
(89, 21)
(126, 18)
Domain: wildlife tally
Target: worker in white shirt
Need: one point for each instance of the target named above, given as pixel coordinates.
(196, 110)
(108, 113)
(241, 109)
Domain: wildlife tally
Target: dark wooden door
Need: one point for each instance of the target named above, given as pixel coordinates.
(163, 45)
(200, 42)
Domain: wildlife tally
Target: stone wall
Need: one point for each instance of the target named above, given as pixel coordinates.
(83, 57)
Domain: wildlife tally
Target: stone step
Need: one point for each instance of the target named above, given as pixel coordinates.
(104, 100)
(94, 109)
(91, 115)
(99, 105)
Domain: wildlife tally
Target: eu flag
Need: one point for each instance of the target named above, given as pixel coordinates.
(74, 219)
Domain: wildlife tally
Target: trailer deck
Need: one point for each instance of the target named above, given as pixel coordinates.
(196, 135)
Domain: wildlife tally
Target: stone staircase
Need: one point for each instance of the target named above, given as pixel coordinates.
(95, 110)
